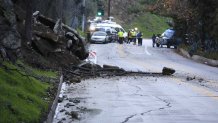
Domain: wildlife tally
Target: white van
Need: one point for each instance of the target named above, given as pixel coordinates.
(115, 26)
(108, 26)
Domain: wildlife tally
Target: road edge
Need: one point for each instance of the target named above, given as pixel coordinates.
(55, 103)
(198, 58)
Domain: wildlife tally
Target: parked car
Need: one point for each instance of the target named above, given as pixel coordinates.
(99, 37)
(167, 38)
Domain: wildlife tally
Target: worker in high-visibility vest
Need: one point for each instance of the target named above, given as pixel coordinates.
(121, 37)
(134, 37)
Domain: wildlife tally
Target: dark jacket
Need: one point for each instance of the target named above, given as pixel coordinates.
(139, 35)
(153, 37)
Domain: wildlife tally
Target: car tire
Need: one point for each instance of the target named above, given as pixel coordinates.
(105, 41)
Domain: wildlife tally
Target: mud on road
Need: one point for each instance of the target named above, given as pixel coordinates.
(189, 95)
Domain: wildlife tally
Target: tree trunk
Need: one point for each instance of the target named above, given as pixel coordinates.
(28, 22)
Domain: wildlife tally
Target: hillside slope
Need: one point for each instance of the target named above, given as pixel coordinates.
(23, 98)
(149, 24)
(135, 13)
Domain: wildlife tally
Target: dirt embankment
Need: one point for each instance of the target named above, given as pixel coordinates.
(53, 43)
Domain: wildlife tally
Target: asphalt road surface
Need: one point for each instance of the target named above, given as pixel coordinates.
(189, 96)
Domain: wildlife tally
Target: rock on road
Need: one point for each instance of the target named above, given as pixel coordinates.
(189, 96)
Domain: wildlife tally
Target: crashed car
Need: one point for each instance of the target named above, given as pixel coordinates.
(167, 38)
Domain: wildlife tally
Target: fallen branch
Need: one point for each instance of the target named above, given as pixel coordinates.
(143, 73)
(81, 68)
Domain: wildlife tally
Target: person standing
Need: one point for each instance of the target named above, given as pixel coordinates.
(129, 37)
(139, 37)
(153, 39)
(121, 37)
(134, 37)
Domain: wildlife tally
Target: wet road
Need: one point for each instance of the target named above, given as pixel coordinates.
(189, 96)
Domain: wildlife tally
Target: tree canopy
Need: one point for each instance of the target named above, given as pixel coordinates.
(196, 17)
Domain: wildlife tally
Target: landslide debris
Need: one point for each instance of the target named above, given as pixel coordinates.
(53, 46)
(57, 43)
(75, 73)
(53, 43)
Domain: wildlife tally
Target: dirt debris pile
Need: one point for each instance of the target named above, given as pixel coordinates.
(57, 42)
(52, 45)
(168, 71)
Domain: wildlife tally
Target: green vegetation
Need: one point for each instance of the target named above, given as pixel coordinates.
(209, 55)
(22, 98)
(149, 24)
(138, 6)
(144, 2)
(81, 33)
(135, 9)
(47, 73)
(50, 74)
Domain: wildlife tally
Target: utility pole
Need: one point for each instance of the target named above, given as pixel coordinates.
(83, 21)
(109, 8)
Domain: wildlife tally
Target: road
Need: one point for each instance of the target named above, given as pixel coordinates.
(189, 96)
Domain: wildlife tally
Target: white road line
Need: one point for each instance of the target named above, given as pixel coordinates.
(135, 53)
(146, 51)
(146, 47)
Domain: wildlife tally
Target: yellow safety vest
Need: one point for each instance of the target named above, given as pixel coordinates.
(120, 34)
(133, 34)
